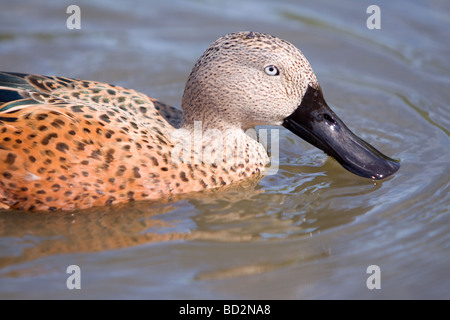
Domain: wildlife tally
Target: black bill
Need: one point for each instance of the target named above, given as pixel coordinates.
(317, 124)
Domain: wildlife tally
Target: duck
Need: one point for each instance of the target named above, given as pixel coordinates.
(69, 144)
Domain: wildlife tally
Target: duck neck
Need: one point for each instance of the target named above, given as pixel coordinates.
(206, 143)
(214, 139)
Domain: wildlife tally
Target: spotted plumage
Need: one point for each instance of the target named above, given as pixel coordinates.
(73, 144)
(69, 144)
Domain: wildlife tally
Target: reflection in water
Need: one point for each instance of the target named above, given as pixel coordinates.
(244, 270)
(41, 234)
(98, 229)
(238, 213)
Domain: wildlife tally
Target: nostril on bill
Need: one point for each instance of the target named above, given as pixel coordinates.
(329, 119)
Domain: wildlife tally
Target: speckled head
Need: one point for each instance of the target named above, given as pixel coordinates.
(246, 79)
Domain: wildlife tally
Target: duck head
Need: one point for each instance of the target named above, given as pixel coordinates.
(246, 79)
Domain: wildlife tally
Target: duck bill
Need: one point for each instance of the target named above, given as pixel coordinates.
(317, 124)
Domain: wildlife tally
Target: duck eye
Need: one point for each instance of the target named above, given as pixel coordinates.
(272, 70)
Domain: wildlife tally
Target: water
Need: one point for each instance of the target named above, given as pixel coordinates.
(308, 232)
